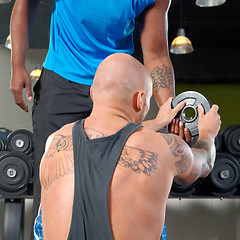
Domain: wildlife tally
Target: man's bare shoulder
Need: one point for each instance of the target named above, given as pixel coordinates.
(144, 151)
(57, 161)
(146, 144)
(66, 129)
(151, 139)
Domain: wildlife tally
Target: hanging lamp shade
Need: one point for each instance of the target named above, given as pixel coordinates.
(209, 3)
(181, 44)
(35, 74)
(4, 1)
(8, 43)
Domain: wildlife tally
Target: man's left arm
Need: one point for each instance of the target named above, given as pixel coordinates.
(153, 35)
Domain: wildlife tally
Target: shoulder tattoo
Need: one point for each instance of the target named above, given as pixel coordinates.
(162, 78)
(139, 160)
(61, 149)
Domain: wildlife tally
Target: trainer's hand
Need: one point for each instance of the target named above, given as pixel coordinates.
(21, 79)
(209, 123)
(177, 127)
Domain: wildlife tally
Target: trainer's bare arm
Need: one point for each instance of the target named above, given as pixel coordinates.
(153, 36)
(22, 18)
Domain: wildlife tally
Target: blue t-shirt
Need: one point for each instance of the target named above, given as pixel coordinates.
(84, 32)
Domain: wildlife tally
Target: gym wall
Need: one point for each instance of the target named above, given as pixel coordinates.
(188, 219)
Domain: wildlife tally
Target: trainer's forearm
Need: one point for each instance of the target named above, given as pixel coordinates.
(162, 74)
(20, 27)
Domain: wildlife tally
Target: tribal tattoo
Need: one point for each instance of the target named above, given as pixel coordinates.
(94, 134)
(62, 149)
(184, 162)
(178, 150)
(139, 160)
(198, 151)
(162, 78)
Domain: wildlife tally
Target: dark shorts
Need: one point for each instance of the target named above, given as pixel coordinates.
(57, 101)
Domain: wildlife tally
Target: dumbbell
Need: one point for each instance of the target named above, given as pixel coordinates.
(20, 141)
(231, 139)
(225, 175)
(16, 173)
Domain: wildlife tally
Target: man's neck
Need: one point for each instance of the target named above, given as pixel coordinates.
(103, 123)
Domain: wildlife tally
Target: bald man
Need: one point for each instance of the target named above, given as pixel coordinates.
(107, 177)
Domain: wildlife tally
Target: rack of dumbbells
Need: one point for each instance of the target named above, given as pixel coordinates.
(16, 176)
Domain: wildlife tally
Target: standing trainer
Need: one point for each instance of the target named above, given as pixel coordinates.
(107, 177)
(82, 34)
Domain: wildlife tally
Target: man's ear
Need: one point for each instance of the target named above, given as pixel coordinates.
(138, 101)
(91, 92)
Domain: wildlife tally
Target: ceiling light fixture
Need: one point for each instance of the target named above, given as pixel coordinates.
(181, 44)
(209, 3)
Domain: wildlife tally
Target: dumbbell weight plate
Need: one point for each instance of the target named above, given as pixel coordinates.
(225, 175)
(16, 172)
(231, 139)
(189, 114)
(218, 142)
(20, 141)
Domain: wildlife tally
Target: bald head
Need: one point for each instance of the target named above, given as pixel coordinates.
(123, 85)
(118, 77)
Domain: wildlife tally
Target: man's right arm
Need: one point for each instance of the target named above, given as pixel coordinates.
(192, 163)
(20, 27)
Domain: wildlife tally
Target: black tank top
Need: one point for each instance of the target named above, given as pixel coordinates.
(94, 163)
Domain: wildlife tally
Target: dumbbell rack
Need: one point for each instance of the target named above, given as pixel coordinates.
(13, 218)
(16, 168)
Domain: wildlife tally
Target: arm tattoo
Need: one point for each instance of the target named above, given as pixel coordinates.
(162, 78)
(61, 149)
(178, 150)
(200, 152)
(203, 148)
(138, 160)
